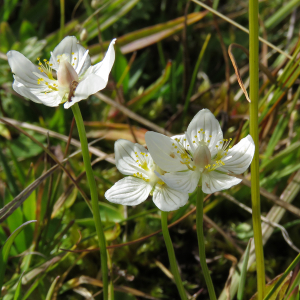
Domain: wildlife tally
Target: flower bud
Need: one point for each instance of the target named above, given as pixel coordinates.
(83, 34)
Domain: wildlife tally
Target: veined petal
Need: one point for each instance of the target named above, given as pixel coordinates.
(23, 68)
(49, 99)
(126, 160)
(185, 181)
(211, 130)
(239, 157)
(71, 47)
(167, 199)
(89, 86)
(37, 94)
(103, 68)
(128, 191)
(215, 181)
(79, 69)
(162, 152)
(24, 91)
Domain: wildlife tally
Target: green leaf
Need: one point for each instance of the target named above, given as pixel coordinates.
(6, 249)
(51, 290)
(240, 292)
(150, 35)
(14, 221)
(278, 286)
(281, 13)
(11, 182)
(19, 169)
(9, 6)
(25, 147)
(18, 295)
(294, 294)
(150, 92)
(293, 287)
(122, 10)
(29, 209)
(109, 213)
(119, 67)
(6, 37)
(26, 31)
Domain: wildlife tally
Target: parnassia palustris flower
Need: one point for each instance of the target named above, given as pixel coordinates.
(67, 77)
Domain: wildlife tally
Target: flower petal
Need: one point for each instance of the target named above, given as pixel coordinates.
(239, 157)
(89, 86)
(211, 130)
(126, 160)
(162, 152)
(23, 68)
(181, 181)
(215, 181)
(80, 69)
(37, 94)
(167, 199)
(128, 191)
(68, 46)
(103, 68)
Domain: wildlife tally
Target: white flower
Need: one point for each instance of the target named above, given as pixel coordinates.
(75, 78)
(134, 159)
(201, 153)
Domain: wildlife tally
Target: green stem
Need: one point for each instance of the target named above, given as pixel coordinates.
(201, 243)
(255, 193)
(62, 19)
(171, 254)
(94, 197)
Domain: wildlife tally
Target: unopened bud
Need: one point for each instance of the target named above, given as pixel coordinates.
(83, 34)
(95, 3)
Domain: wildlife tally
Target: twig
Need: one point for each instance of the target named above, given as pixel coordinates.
(131, 114)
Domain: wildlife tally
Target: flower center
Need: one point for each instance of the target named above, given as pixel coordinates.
(202, 156)
(66, 74)
(150, 175)
(201, 138)
(67, 78)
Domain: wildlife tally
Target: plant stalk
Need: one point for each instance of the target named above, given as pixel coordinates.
(62, 20)
(94, 197)
(171, 254)
(255, 194)
(201, 243)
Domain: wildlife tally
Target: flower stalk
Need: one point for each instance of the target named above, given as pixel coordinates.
(171, 254)
(201, 243)
(255, 193)
(94, 197)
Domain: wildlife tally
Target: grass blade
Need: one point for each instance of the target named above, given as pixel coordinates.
(240, 292)
(51, 290)
(17, 295)
(6, 249)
